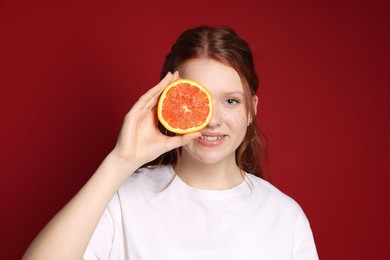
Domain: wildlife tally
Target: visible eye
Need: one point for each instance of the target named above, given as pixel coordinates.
(232, 101)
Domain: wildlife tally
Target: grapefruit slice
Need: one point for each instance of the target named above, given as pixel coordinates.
(185, 106)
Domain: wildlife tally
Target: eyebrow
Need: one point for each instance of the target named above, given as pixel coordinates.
(232, 93)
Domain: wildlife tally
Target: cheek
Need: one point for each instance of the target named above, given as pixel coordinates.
(236, 118)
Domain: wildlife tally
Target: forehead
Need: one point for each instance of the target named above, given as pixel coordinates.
(217, 77)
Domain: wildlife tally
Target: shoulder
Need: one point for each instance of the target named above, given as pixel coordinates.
(142, 185)
(268, 193)
(150, 179)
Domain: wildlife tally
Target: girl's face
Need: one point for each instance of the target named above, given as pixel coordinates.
(228, 126)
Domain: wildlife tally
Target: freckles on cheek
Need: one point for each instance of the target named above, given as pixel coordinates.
(237, 117)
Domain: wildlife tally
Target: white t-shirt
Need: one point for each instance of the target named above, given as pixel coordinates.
(148, 220)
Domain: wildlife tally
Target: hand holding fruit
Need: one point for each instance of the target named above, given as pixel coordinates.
(140, 140)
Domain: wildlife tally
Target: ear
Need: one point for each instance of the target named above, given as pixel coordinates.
(255, 101)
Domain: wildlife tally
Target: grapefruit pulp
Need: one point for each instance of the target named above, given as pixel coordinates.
(185, 106)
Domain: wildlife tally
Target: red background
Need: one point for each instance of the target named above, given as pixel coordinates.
(70, 71)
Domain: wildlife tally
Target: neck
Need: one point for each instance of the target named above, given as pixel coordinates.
(219, 176)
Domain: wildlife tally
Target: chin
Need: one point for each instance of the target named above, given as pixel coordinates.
(209, 157)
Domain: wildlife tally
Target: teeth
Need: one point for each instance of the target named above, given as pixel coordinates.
(211, 138)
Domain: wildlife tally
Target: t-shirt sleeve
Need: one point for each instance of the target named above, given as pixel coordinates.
(304, 245)
(101, 244)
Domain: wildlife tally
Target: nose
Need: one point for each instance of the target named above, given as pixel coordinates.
(216, 119)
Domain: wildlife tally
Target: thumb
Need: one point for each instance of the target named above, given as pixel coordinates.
(180, 140)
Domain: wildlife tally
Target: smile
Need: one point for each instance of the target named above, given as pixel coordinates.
(211, 138)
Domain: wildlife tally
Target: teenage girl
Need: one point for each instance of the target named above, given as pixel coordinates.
(198, 196)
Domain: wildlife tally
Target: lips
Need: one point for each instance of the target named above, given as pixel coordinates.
(211, 139)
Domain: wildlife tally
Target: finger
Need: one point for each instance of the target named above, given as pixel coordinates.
(189, 137)
(149, 99)
(175, 76)
(165, 81)
(180, 140)
(156, 90)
